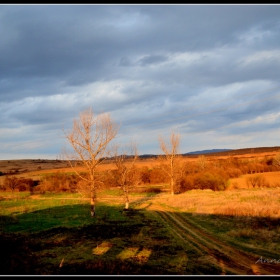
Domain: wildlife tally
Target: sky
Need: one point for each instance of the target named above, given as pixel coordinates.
(209, 73)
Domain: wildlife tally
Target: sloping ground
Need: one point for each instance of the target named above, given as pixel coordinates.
(247, 151)
(142, 239)
(272, 178)
(214, 250)
(29, 165)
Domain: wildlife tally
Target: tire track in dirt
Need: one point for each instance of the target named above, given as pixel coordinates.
(187, 238)
(225, 256)
(246, 259)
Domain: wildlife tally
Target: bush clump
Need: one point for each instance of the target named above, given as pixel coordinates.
(206, 180)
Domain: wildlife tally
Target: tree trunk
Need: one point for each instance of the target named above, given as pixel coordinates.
(126, 198)
(172, 186)
(92, 201)
(92, 207)
(126, 205)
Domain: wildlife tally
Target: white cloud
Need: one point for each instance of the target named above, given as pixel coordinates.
(155, 68)
(261, 57)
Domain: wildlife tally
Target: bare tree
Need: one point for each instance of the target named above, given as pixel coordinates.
(172, 156)
(89, 138)
(11, 182)
(125, 172)
(201, 162)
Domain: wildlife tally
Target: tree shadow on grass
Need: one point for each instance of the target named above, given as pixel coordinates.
(65, 240)
(144, 199)
(35, 243)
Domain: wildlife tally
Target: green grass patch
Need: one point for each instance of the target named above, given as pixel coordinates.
(61, 195)
(15, 195)
(54, 234)
(113, 192)
(252, 234)
(58, 237)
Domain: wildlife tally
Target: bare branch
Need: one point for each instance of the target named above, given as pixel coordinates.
(171, 156)
(125, 163)
(89, 138)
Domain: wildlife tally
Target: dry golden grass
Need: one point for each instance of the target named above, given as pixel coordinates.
(31, 167)
(254, 203)
(34, 169)
(25, 166)
(273, 178)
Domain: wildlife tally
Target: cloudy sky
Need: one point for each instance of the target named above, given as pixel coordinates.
(207, 72)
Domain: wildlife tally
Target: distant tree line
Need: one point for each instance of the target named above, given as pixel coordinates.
(13, 183)
(204, 173)
(91, 141)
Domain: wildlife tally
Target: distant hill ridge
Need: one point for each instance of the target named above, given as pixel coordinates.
(192, 153)
(208, 151)
(224, 151)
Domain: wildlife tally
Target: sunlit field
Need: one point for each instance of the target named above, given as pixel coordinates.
(200, 232)
(204, 229)
(272, 178)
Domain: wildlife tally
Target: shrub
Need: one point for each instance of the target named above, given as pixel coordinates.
(145, 175)
(110, 179)
(26, 185)
(203, 180)
(11, 182)
(234, 172)
(59, 182)
(158, 176)
(185, 184)
(149, 190)
(22, 188)
(211, 181)
(153, 190)
(257, 181)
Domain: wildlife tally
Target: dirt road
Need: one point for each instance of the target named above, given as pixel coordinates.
(221, 254)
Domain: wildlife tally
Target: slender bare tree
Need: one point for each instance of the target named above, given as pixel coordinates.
(171, 156)
(201, 162)
(11, 182)
(125, 172)
(90, 139)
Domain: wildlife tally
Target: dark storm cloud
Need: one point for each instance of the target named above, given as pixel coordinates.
(67, 38)
(154, 67)
(152, 59)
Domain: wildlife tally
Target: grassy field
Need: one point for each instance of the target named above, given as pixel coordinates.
(34, 168)
(273, 178)
(200, 232)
